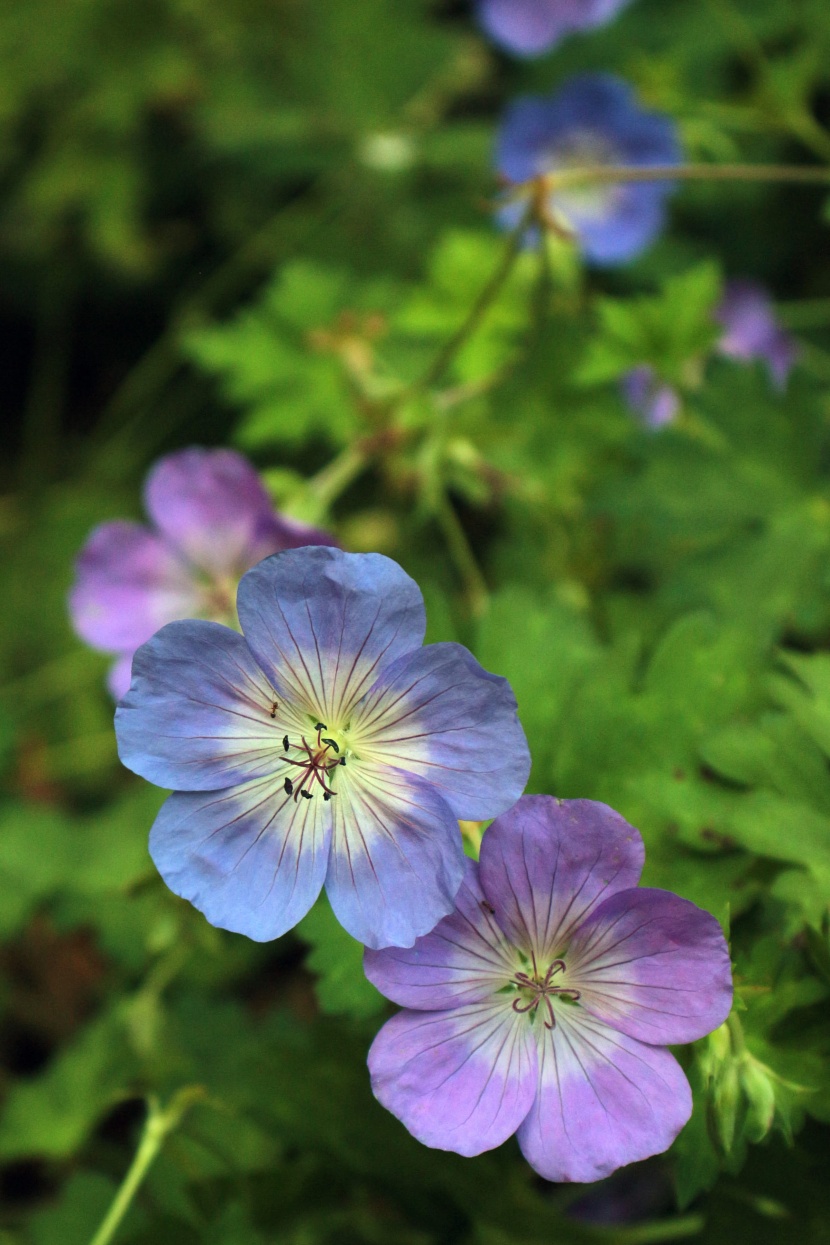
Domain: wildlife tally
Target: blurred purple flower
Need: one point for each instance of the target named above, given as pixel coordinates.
(593, 120)
(531, 27)
(751, 331)
(544, 1004)
(323, 745)
(650, 399)
(212, 520)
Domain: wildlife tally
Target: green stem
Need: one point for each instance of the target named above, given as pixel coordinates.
(476, 313)
(601, 173)
(327, 485)
(475, 588)
(160, 1122)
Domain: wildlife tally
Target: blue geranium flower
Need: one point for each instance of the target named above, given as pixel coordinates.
(593, 120)
(531, 27)
(323, 745)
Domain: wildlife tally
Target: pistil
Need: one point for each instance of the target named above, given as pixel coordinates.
(315, 764)
(542, 990)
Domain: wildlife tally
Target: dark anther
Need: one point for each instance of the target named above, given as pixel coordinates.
(330, 743)
(285, 744)
(328, 794)
(274, 708)
(306, 795)
(288, 786)
(320, 726)
(342, 760)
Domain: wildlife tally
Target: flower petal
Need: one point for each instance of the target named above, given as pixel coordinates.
(210, 504)
(436, 712)
(120, 676)
(323, 623)
(197, 716)
(128, 584)
(652, 965)
(465, 959)
(250, 858)
(396, 856)
(603, 1100)
(547, 863)
(462, 1080)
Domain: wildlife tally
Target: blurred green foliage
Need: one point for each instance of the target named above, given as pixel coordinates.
(266, 223)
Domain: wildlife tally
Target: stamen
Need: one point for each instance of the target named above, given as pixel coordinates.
(285, 744)
(328, 794)
(331, 744)
(320, 726)
(542, 990)
(288, 787)
(307, 795)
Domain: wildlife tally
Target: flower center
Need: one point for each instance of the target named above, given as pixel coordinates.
(315, 762)
(535, 989)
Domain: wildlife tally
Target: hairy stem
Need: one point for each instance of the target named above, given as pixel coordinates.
(160, 1122)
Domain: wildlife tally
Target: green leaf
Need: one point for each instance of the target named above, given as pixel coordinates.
(337, 963)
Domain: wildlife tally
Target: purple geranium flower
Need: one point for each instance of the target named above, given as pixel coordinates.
(543, 1005)
(651, 400)
(324, 744)
(751, 331)
(593, 120)
(531, 27)
(212, 521)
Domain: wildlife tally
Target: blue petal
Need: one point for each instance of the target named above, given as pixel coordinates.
(197, 716)
(396, 856)
(438, 713)
(323, 623)
(251, 859)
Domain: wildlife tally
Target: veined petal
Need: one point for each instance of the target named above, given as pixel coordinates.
(465, 959)
(653, 966)
(197, 716)
(436, 712)
(250, 858)
(603, 1100)
(396, 855)
(323, 623)
(210, 504)
(546, 863)
(459, 1080)
(128, 584)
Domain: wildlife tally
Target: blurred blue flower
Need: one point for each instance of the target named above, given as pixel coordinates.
(653, 401)
(751, 331)
(544, 1004)
(593, 120)
(323, 745)
(211, 521)
(531, 27)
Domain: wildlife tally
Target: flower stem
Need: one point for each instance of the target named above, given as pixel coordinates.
(601, 173)
(475, 588)
(160, 1122)
(477, 312)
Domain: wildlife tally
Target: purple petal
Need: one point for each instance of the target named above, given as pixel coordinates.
(465, 959)
(462, 1080)
(603, 1100)
(751, 331)
(436, 712)
(655, 403)
(197, 716)
(652, 965)
(530, 27)
(276, 532)
(251, 859)
(323, 623)
(128, 584)
(396, 855)
(211, 505)
(547, 863)
(120, 676)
